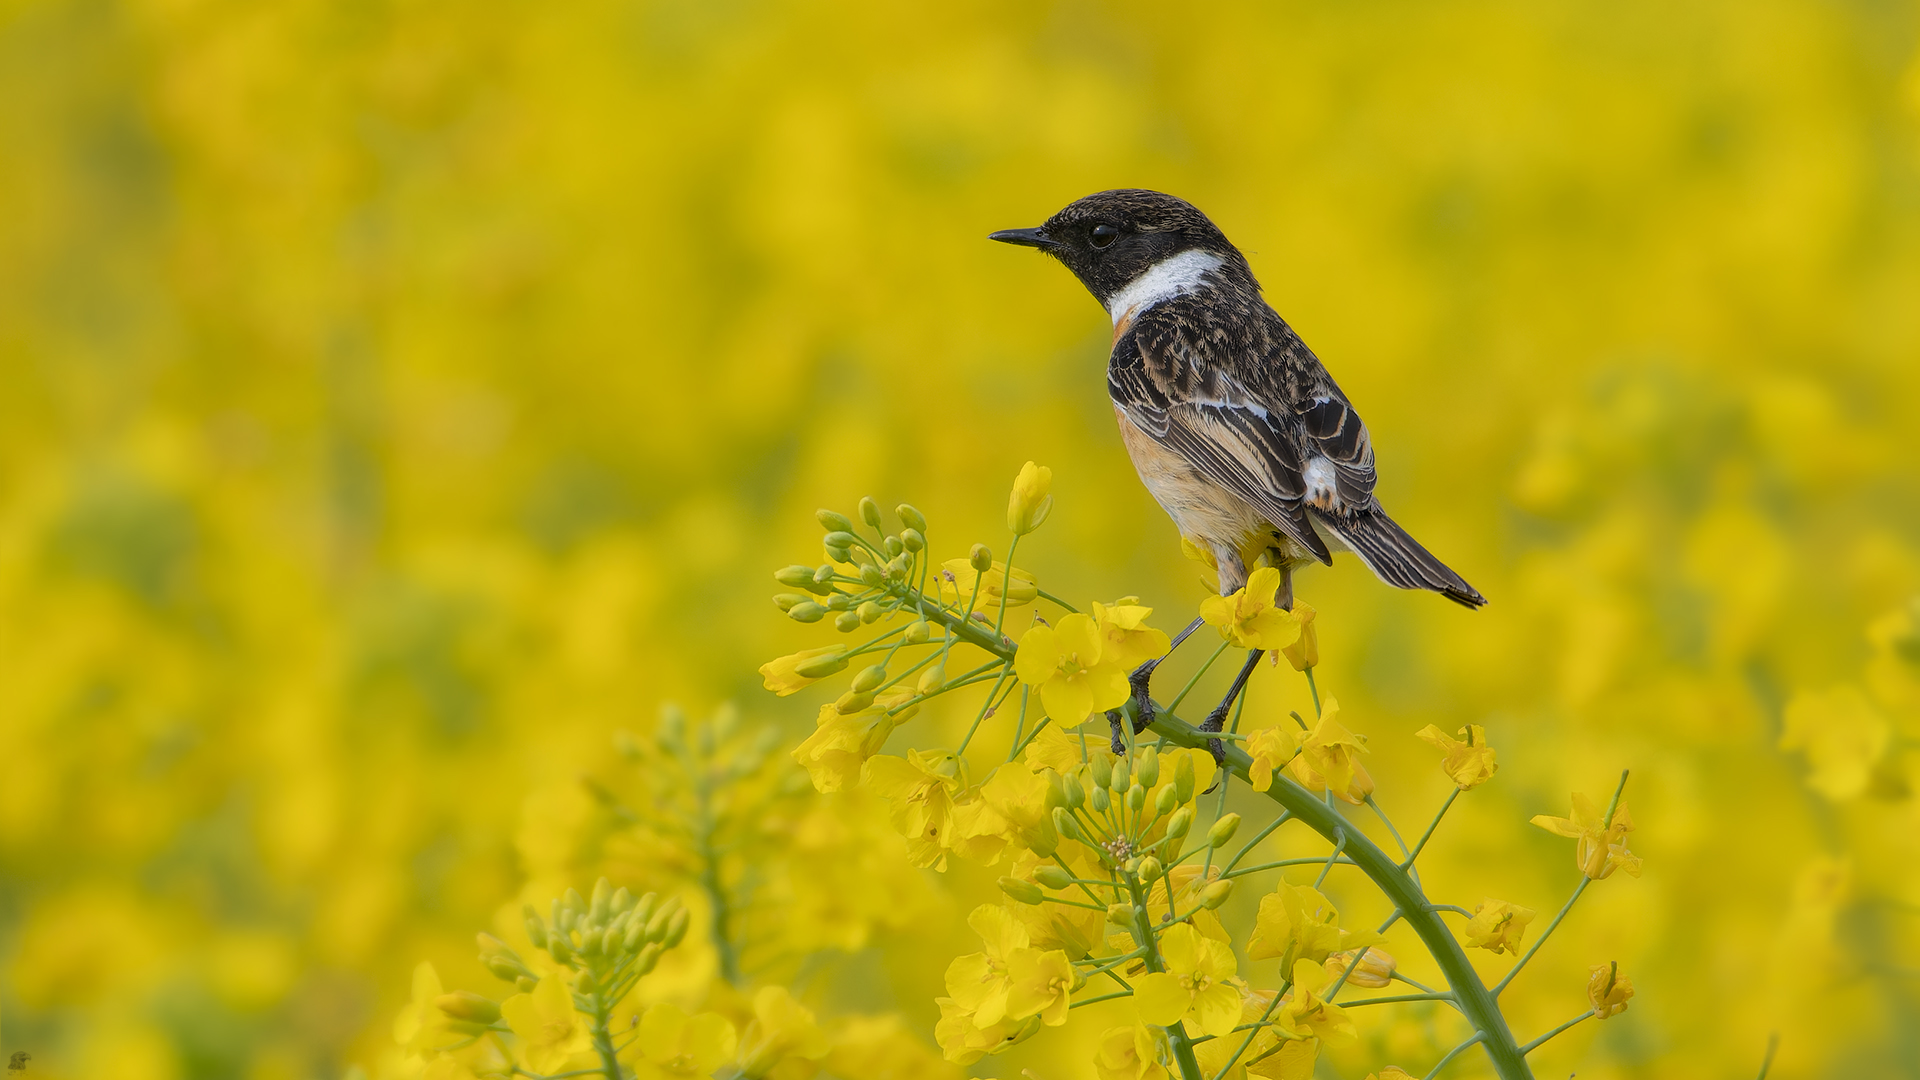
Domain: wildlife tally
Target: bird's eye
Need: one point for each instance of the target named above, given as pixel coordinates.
(1103, 235)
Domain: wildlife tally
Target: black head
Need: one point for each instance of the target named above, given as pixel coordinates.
(1111, 237)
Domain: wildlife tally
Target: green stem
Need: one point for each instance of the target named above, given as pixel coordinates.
(1432, 825)
(1585, 881)
(1150, 954)
(1530, 1047)
(1454, 1053)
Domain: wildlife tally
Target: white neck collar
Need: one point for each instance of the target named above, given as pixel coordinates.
(1175, 275)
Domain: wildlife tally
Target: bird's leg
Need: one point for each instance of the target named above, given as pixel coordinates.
(1283, 596)
(1142, 696)
(1217, 719)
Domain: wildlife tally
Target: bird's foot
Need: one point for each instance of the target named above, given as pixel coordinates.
(1141, 682)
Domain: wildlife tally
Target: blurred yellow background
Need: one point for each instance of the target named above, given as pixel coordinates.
(397, 399)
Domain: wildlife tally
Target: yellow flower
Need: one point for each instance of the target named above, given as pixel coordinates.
(1297, 923)
(1304, 652)
(1126, 638)
(840, 745)
(1843, 736)
(1603, 846)
(1024, 800)
(783, 675)
(1039, 984)
(1374, 970)
(1063, 753)
(1065, 662)
(1391, 1072)
(1271, 748)
(1249, 618)
(782, 1030)
(1498, 926)
(957, 577)
(1134, 1052)
(421, 1026)
(550, 1031)
(1330, 758)
(1198, 984)
(978, 982)
(1305, 1013)
(1031, 500)
(919, 790)
(964, 1042)
(673, 1044)
(1469, 763)
(1608, 990)
(1292, 1061)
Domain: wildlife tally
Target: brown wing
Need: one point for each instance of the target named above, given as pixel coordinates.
(1163, 382)
(1335, 432)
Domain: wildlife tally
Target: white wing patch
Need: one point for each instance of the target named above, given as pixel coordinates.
(1323, 483)
(1175, 275)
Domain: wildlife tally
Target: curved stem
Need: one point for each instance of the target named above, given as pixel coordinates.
(1150, 954)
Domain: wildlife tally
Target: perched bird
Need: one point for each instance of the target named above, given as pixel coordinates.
(1233, 424)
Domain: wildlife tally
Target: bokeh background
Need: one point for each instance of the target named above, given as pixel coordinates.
(397, 399)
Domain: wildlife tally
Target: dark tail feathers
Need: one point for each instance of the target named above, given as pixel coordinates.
(1396, 558)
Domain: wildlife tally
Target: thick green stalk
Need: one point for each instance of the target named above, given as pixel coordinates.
(1475, 1001)
(1150, 954)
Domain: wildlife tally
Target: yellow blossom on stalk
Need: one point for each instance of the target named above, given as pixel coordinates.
(1040, 983)
(1271, 748)
(1297, 923)
(1065, 661)
(782, 1030)
(1470, 763)
(448, 1067)
(784, 675)
(1842, 735)
(956, 578)
(1498, 926)
(1305, 1013)
(550, 1031)
(978, 982)
(1126, 638)
(674, 1044)
(1608, 990)
(1063, 752)
(1270, 1055)
(1024, 801)
(1293, 1060)
(963, 1042)
(1373, 971)
(1198, 983)
(1330, 758)
(1305, 651)
(919, 790)
(1133, 1052)
(1249, 618)
(1031, 500)
(840, 745)
(1602, 847)
(1073, 930)
(421, 1026)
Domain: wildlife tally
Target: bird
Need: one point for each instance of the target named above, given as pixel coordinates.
(1234, 425)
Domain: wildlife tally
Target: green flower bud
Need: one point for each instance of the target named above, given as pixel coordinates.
(846, 622)
(869, 511)
(853, 701)
(526, 984)
(1222, 830)
(1102, 770)
(657, 926)
(869, 612)
(643, 908)
(840, 539)
(649, 957)
(1064, 824)
(1100, 800)
(897, 569)
(1022, 892)
(1146, 766)
(1121, 778)
(503, 968)
(585, 983)
(893, 545)
(468, 1007)
(787, 601)
(1136, 798)
(602, 904)
(806, 611)
(833, 522)
(612, 942)
(873, 575)
(913, 540)
(795, 577)
(1183, 777)
(1132, 865)
(1165, 801)
(635, 933)
(677, 928)
(1073, 791)
(492, 946)
(980, 558)
(591, 938)
(574, 902)
(559, 948)
(1053, 877)
(823, 577)
(839, 602)
(819, 667)
(1150, 869)
(1181, 821)
(1027, 1030)
(1216, 893)
(536, 930)
(870, 678)
(932, 679)
(623, 900)
(917, 632)
(911, 517)
(1120, 914)
(837, 554)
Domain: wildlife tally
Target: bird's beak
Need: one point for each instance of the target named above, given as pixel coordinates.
(1034, 238)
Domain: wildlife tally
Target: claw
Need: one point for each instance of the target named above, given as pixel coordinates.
(1119, 741)
(1141, 681)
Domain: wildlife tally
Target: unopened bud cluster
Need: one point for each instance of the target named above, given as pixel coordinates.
(611, 940)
